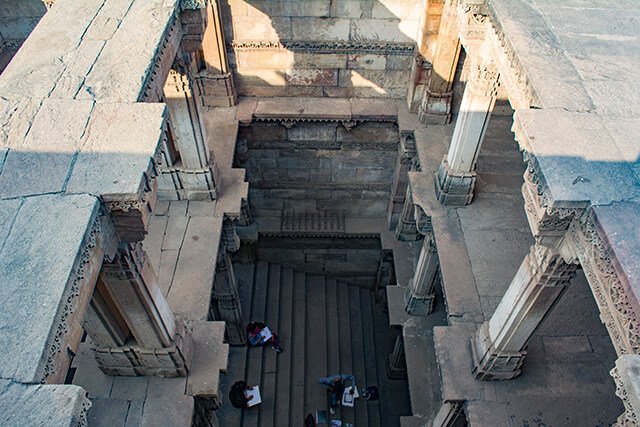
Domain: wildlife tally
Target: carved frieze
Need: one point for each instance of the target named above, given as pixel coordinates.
(352, 47)
(625, 375)
(618, 309)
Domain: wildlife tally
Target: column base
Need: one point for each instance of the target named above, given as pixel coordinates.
(435, 108)
(216, 90)
(489, 363)
(454, 188)
(407, 232)
(131, 361)
(187, 184)
(418, 305)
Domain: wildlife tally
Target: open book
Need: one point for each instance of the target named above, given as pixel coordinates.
(253, 394)
(266, 334)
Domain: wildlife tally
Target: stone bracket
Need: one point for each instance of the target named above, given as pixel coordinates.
(491, 364)
(454, 189)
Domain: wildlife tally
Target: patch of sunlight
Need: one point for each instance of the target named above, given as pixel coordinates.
(358, 80)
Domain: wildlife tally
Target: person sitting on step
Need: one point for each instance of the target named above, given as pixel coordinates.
(335, 387)
(259, 333)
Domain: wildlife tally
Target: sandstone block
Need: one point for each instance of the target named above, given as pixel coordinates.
(375, 79)
(351, 9)
(311, 77)
(259, 77)
(389, 30)
(280, 59)
(262, 28)
(396, 9)
(317, 8)
(327, 29)
(319, 60)
(367, 62)
(399, 62)
(312, 132)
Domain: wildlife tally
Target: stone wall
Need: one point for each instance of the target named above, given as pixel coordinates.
(355, 260)
(319, 167)
(337, 48)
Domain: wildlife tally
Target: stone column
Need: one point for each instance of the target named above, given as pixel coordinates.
(225, 301)
(396, 362)
(456, 175)
(194, 172)
(421, 295)
(404, 163)
(131, 325)
(499, 345)
(214, 79)
(407, 230)
(435, 107)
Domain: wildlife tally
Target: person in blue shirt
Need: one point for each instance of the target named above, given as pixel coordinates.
(335, 387)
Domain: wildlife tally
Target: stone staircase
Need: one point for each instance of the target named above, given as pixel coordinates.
(326, 326)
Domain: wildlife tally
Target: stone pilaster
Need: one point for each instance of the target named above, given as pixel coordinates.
(435, 107)
(407, 230)
(456, 176)
(225, 301)
(498, 347)
(420, 295)
(132, 327)
(396, 362)
(404, 163)
(191, 173)
(214, 78)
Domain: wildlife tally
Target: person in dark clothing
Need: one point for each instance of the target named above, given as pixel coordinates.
(335, 387)
(237, 394)
(256, 338)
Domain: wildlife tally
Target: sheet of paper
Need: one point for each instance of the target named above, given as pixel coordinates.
(266, 333)
(253, 395)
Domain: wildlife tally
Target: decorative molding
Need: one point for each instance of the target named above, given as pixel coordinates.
(349, 124)
(353, 47)
(618, 310)
(626, 390)
(71, 296)
(165, 55)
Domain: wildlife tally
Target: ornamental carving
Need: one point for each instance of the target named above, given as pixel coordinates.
(483, 79)
(354, 47)
(618, 311)
(625, 391)
(70, 297)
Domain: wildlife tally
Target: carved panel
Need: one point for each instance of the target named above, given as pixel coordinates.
(352, 47)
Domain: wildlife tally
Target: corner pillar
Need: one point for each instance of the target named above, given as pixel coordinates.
(407, 229)
(435, 107)
(225, 300)
(396, 362)
(456, 175)
(190, 170)
(405, 162)
(132, 327)
(498, 347)
(421, 295)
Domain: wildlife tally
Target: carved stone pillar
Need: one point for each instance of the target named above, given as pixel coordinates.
(407, 230)
(499, 346)
(421, 295)
(396, 362)
(456, 176)
(132, 327)
(404, 162)
(206, 40)
(626, 375)
(191, 169)
(225, 301)
(435, 107)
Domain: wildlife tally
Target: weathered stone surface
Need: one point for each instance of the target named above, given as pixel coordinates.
(310, 77)
(367, 62)
(210, 356)
(262, 28)
(320, 30)
(61, 405)
(389, 30)
(396, 9)
(166, 403)
(37, 266)
(121, 141)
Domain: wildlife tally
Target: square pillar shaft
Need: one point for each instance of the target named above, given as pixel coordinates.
(421, 294)
(456, 175)
(499, 346)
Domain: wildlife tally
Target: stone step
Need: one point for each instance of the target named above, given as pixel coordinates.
(297, 349)
(357, 351)
(333, 335)
(268, 383)
(253, 374)
(369, 350)
(284, 361)
(344, 324)
(316, 344)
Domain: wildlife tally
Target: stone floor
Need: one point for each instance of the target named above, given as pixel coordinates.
(326, 326)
